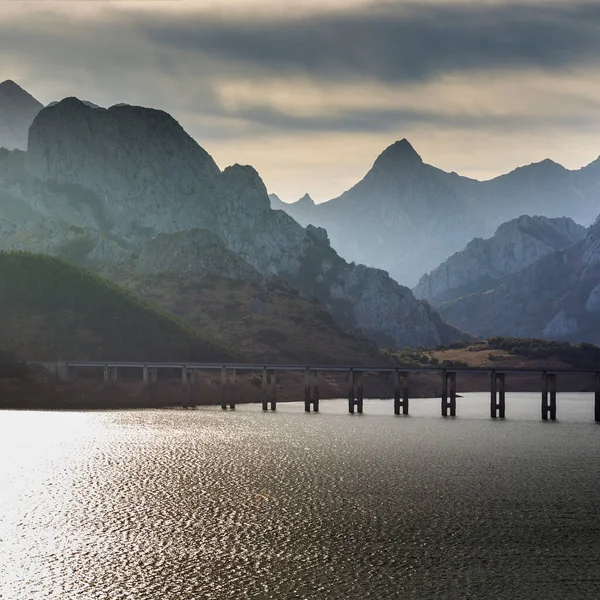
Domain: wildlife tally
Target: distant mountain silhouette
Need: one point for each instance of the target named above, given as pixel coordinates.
(17, 111)
(556, 297)
(484, 264)
(97, 185)
(406, 216)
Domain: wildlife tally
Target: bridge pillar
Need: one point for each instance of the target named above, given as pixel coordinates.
(269, 382)
(498, 395)
(549, 396)
(355, 391)
(351, 400)
(448, 393)
(400, 392)
(188, 385)
(597, 399)
(149, 376)
(274, 390)
(311, 390)
(227, 397)
(63, 372)
(265, 389)
(110, 376)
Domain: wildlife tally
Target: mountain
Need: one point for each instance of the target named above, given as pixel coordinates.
(103, 183)
(17, 111)
(50, 310)
(556, 297)
(484, 264)
(406, 216)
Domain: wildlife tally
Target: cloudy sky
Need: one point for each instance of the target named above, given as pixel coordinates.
(310, 92)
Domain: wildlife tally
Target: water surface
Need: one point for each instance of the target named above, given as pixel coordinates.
(188, 505)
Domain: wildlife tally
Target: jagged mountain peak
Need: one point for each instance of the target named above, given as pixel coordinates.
(9, 84)
(400, 152)
(13, 91)
(17, 110)
(306, 200)
(542, 168)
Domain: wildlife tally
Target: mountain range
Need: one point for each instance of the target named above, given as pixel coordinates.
(125, 191)
(407, 217)
(486, 263)
(555, 297)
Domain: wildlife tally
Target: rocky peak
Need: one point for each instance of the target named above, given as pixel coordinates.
(17, 110)
(306, 201)
(276, 202)
(135, 168)
(246, 190)
(484, 264)
(399, 154)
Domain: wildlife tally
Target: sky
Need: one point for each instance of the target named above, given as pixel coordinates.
(311, 92)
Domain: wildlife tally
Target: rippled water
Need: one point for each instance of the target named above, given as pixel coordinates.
(182, 505)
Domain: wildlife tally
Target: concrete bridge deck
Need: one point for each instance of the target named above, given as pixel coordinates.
(189, 371)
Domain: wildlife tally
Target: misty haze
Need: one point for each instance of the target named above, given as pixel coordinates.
(300, 301)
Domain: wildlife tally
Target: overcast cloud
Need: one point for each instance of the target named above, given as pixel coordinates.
(311, 97)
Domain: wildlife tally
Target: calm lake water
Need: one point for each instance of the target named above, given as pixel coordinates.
(201, 504)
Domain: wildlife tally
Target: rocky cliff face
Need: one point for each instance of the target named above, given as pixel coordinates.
(17, 111)
(407, 217)
(484, 264)
(129, 184)
(556, 297)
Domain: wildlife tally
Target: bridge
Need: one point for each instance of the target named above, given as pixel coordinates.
(355, 391)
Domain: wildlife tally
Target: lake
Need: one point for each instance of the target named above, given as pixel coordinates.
(205, 504)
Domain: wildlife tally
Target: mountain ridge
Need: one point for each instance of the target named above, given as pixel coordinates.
(406, 216)
(126, 174)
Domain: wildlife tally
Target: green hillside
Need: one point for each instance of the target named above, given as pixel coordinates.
(51, 310)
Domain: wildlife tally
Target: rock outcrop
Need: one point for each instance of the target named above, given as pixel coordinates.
(17, 111)
(484, 264)
(556, 297)
(135, 184)
(407, 217)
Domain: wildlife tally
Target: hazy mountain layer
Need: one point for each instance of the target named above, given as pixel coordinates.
(407, 217)
(102, 183)
(17, 111)
(556, 297)
(484, 264)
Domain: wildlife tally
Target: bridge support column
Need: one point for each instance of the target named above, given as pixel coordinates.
(549, 396)
(448, 393)
(226, 395)
(400, 392)
(498, 395)
(269, 382)
(315, 390)
(188, 385)
(597, 399)
(265, 389)
(149, 376)
(311, 390)
(63, 372)
(274, 390)
(355, 391)
(111, 376)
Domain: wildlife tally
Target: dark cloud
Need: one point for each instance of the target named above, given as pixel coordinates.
(266, 118)
(396, 43)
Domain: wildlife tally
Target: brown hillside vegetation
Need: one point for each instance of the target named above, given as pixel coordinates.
(266, 321)
(51, 310)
